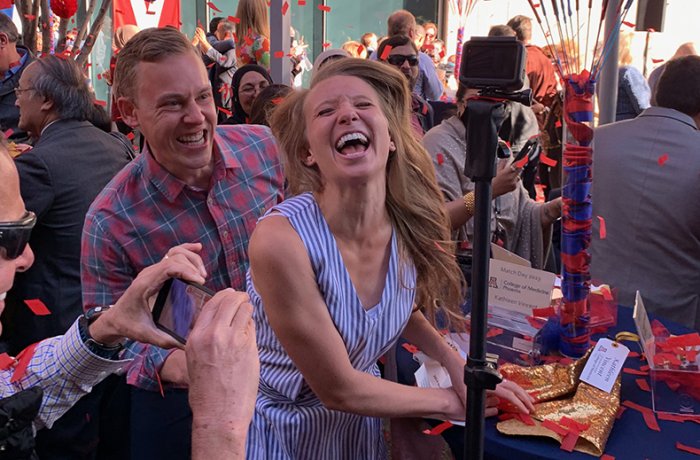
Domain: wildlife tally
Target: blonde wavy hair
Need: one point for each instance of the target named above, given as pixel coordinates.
(253, 17)
(414, 201)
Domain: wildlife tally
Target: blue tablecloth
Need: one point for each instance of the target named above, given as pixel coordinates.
(630, 437)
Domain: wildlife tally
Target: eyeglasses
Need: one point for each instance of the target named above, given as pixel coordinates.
(399, 59)
(14, 235)
(19, 90)
(252, 88)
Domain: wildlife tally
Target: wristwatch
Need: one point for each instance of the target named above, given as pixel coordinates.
(101, 350)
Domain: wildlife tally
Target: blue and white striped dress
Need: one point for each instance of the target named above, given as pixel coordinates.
(290, 422)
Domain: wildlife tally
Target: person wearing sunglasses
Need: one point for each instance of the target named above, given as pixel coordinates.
(47, 378)
(403, 54)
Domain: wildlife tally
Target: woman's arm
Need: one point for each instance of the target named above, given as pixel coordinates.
(283, 276)
(428, 340)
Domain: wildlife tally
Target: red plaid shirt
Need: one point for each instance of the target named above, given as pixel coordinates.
(144, 211)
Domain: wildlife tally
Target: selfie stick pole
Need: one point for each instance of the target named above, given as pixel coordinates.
(485, 118)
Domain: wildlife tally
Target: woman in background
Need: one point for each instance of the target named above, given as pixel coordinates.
(253, 32)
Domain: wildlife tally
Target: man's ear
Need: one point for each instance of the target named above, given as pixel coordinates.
(128, 111)
(47, 105)
(3, 39)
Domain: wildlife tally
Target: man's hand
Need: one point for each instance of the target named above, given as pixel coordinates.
(131, 316)
(506, 179)
(223, 364)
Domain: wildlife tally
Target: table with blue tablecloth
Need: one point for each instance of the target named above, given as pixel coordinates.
(630, 437)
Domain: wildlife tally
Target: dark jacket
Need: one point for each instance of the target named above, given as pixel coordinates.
(9, 114)
(69, 165)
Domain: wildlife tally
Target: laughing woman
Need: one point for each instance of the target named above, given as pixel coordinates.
(338, 270)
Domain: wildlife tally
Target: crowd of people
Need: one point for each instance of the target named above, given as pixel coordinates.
(330, 222)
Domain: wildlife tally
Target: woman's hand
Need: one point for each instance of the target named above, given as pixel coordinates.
(551, 211)
(515, 395)
(506, 179)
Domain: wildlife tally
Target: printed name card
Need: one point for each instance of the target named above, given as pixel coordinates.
(518, 288)
(605, 364)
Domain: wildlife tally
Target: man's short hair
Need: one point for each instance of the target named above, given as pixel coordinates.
(679, 86)
(149, 45)
(501, 30)
(8, 28)
(400, 22)
(226, 27)
(62, 82)
(522, 25)
(214, 23)
(393, 42)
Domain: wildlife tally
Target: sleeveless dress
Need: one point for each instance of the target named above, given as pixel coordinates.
(290, 422)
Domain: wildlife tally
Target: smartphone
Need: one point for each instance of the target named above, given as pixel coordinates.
(177, 306)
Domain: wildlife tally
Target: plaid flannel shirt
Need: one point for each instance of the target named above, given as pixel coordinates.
(65, 369)
(144, 211)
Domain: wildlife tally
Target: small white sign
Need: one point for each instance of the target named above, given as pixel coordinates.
(517, 288)
(605, 364)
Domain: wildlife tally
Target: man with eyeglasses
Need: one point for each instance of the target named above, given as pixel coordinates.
(403, 54)
(47, 378)
(14, 58)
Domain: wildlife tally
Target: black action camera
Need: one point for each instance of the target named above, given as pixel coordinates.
(493, 64)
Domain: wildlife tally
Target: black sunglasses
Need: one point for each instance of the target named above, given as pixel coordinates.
(399, 59)
(14, 235)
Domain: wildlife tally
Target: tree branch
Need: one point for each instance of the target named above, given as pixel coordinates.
(46, 32)
(94, 30)
(83, 29)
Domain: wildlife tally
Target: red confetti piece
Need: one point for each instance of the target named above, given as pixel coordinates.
(438, 429)
(160, 385)
(569, 441)
(526, 419)
(684, 448)
(643, 385)
(360, 49)
(522, 162)
(279, 54)
(544, 159)
(633, 354)
(628, 370)
(685, 340)
(225, 111)
(553, 426)
(213, 7)
(535, 322)
(6, 361)
(37, 307)
(648, 415)
(324, 8)
(657, 61)
(301, 2)
(494, 332)
(543, 312)
(607, 294)
(30, 17)
(425, 109)
(663, 159)
(573, 425)
(629, 24)
(326, 45)
(131, 136)
(8, 133)
(620, 410)
(385, 53)
(249, 40)
(277, 100)
(410, 348)
(99, 76)
(233, 19)
(607, 457)
(23, 361)
(101, 103)
(678, 418)
(285, 8)
(440, 159)
(602, 232)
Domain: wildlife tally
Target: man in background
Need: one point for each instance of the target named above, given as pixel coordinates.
(645, 192)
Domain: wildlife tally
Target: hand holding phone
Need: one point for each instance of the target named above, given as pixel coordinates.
(177, 306)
